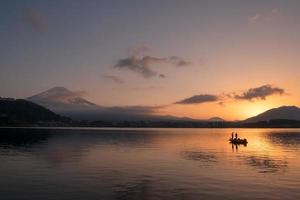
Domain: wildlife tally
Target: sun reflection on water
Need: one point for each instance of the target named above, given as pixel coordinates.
(162, 163)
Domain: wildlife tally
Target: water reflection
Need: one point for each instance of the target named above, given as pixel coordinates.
(288, 139)
(27, 138)
(205, 158)
(266, 164)
(148, 164)
(57, 146)
(135, 191)
(235, 147)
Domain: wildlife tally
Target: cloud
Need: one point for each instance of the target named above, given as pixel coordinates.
(254, 19)
(35, 19)
(137, 65)
(136, 110)
(198, 99)
(130, 113)
(259, 93)
(113, 78)
(143, 64)
(162, 76)
(178, 61)
(151, 87)
(269, 16)
(139, 49)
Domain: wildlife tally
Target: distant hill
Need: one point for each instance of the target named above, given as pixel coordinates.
(69, 103)
(284, 112)
(22, 111)
(216, 119)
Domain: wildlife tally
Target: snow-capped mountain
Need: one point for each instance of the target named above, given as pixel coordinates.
(71, 104)
(60, 99)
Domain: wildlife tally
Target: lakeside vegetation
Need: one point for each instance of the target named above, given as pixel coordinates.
(19, 112)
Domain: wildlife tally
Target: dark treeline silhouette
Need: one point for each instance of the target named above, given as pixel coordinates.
(277, 123)
(21, 112)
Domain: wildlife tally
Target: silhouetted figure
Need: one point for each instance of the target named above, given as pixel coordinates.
(232, 135)
(236, 136)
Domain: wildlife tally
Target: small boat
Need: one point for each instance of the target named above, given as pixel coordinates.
(238, 141)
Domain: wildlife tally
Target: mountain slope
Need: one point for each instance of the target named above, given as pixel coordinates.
(25, 111)
(60, 100)
(71, 104)
(68, 103)
(284, 112)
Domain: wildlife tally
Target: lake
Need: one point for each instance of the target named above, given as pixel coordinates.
(125, 164)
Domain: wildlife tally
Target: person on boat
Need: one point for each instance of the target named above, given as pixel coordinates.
(232, 135)
(236, 136)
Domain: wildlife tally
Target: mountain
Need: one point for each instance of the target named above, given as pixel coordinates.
(23, 111)
(58, 98)
(69, 103)
(284, 112)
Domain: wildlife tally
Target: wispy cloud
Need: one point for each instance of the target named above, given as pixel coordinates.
(261, 93)
(36, 20)
(142, 63)
(113, 78)
(162, 76)
(198, 99)
(139, 49)
(151, 87)
(254, 19)
(136, 110)
(257, 93)
(178, 61)
(269, 16)
(137, 65)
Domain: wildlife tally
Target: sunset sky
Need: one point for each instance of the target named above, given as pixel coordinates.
(200, 59)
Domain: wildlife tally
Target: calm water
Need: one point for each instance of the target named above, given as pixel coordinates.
(148, 164)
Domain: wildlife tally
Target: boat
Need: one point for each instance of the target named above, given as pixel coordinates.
(238, 141)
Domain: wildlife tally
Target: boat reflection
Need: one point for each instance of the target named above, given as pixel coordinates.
(235, 147)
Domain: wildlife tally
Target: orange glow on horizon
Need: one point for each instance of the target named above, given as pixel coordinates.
(236, 110)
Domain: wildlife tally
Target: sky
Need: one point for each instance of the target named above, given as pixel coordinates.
(200, 59)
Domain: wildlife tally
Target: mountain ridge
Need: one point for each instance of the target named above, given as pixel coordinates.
(60, 96)
(71, 104)
(282, 112)
(23, 111)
